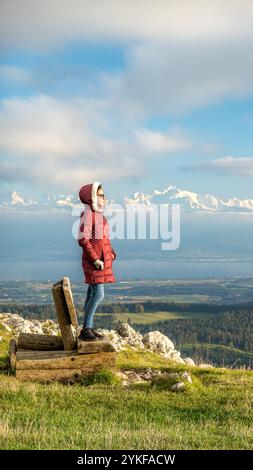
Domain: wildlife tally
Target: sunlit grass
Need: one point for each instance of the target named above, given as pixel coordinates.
(215, 412)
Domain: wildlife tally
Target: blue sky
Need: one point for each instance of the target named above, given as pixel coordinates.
(136, 94)
(101, 93)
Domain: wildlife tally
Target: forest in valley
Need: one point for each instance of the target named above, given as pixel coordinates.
(217, 333)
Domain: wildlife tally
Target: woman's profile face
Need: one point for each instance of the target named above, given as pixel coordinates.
(101, 197)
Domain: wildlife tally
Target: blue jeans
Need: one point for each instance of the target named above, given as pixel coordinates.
(95, 294)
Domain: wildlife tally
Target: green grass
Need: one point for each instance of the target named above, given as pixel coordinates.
(215, 412)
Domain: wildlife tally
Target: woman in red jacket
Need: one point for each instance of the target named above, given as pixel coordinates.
(98, 254)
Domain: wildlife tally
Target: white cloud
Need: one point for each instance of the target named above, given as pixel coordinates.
(175, 77)
(180, 54)
(53, 23)
(237, 165)
(158, 142)
(48, 141)
(42, 124)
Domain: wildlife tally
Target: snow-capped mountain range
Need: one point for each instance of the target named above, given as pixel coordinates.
(188, 200)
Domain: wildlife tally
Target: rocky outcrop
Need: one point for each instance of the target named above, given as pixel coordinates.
(157, 342)
(154, 341)
(189, 361)
(176, 381)
(123, 337)
(13, 322)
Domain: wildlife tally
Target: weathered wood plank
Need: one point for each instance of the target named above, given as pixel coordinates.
(47, 376)
(70, 301)
(61, 375)
(42, 361)
(68, 332)
(13, 353)
(32, 354)
(39, 341)
(94, 346)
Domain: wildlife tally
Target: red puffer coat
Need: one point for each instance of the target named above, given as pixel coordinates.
(94, 238)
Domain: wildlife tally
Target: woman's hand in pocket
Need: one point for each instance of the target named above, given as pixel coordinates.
(99, 264)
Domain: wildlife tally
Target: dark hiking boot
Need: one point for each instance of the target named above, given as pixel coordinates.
(98, 335)
(87, 334)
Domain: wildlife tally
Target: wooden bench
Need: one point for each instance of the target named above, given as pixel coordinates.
(65, 358)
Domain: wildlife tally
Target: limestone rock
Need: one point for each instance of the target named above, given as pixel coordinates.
(134, 376)
(187, 377)
(178, 386)
(189, 361)
(157, 342)
(134, 338)
(13, 322)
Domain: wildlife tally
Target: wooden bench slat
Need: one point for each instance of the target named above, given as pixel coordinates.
(86, 362)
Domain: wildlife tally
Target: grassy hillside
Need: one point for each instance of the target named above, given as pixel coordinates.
(215, 412)
(218, 354)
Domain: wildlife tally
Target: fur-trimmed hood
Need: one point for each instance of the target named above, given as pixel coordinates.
(88, 195)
